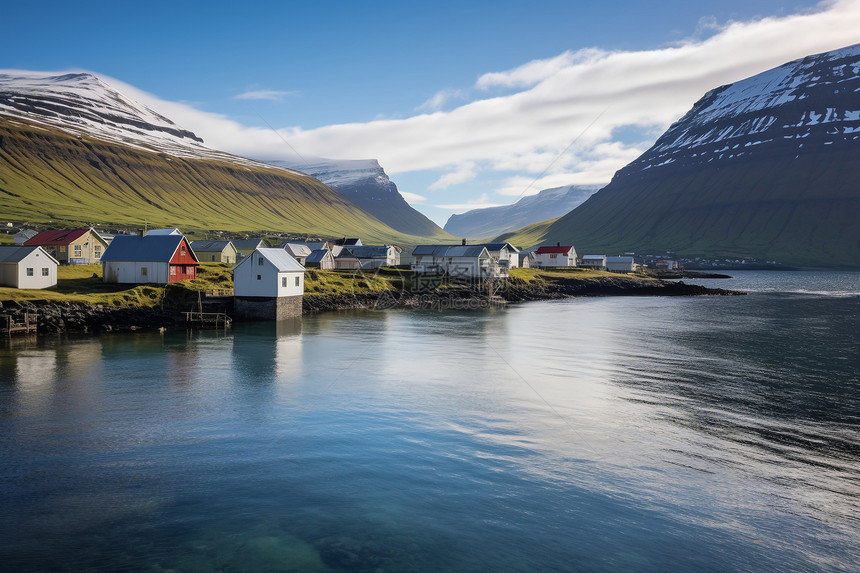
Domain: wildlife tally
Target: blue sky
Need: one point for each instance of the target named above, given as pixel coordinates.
(463, 103)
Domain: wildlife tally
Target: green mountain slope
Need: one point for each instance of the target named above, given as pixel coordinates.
(49, 175)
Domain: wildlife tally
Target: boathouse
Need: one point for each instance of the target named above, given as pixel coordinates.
(268, 284)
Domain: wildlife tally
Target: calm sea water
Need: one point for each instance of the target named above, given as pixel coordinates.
(594, 434)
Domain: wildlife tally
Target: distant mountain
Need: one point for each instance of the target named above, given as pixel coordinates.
(493, 221)
(765, 168)
(73, 150)
(364, 182)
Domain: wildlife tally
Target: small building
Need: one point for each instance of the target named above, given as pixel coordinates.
(557, 256)
(215, 251)
(27, 268)
(668, 265)
(344, 260)
(71, 246)
(150, 259)
(456, 261)
(526, 259)
(321, 259)
(268, 284)
(298, 251)
(24, 235)
(376, 256)
(620, 264)
(505, 254)
(248, 246)
(594, 262)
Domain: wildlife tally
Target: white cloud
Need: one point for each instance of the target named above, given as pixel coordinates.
(413, 197)
(439, 99)
(527, 133)
(464, 172)
(480, 203)
(270, 95)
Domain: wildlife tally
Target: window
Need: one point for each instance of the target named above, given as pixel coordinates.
(143, 271)
(213, 257)
(297, 281)
(260, 261)
(98, 251)
(29, 271)
(62, 248)
(283, 281)
(172, 270)
(259, 277)
(77, 250)
(45, 272)
(182, 249)
(553, 256)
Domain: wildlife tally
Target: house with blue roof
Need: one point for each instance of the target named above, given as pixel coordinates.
(158, 259)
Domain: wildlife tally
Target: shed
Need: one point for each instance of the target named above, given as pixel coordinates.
(620, 264)
(150, 259)
(320, 259)
(215, 251)
(27, 268)
(268, 284)
(594, 261)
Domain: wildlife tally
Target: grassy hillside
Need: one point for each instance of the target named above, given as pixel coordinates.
(47, 175)
(527, 236)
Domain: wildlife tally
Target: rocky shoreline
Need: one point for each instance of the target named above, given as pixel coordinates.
(68, 317)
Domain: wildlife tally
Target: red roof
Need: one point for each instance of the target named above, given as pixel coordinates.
(57, 237)
(559, 250)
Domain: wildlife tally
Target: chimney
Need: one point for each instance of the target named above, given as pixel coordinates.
(464, 242)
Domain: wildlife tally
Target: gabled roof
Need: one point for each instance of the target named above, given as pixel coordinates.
(317, 256)
(348, 242)
(450, 250)
(500, 246)
(56, 237)
(151, 248)
(247, 244)
(208, 246)
(161, 232)
(13, 255)
(296, 249)
(282, 260)
(369, 251)
(563, 249)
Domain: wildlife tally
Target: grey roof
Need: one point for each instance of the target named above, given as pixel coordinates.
(296, 249)
(619, 259)
(369, 251)
(593, 257)
(157, 248)
(18, 254)
(500, 246)
(348, 242)
(208, 246)
(317, 256)
(449, 250)
(247, 244)
(280, 258)
(161, 232)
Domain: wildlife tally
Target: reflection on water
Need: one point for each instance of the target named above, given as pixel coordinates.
(615, 434)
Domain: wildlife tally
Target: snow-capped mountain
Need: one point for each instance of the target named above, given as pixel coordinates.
(493, 221)
(766, 168)
(365, 183)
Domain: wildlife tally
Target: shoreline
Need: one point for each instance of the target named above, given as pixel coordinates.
(85, 318)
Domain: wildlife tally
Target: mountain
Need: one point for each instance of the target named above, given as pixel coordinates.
(73, 151)
(493, 221)
(364, 183)
(766, 168)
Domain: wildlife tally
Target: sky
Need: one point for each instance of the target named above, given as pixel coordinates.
(465, 104)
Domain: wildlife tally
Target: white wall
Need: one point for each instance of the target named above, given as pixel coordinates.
(132, 272)
(270, 283)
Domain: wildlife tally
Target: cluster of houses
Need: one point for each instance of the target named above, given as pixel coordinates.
(268, 281)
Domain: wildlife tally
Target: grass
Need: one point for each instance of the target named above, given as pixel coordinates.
(346, 283)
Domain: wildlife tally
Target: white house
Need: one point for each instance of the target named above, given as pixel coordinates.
(457, 261)
(268, 284)
(594, 261)
(375, 256)
(620, 264)
(27, 267)
(299, 251)
(557, 256)
(505, 254)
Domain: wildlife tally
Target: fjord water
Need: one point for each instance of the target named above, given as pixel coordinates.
(591, 434)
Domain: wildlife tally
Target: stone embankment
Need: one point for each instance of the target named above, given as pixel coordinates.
(58, 318)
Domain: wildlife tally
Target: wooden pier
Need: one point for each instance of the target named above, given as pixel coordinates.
(25, 325)
(208, 319)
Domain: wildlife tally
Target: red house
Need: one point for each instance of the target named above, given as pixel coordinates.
(150, 259)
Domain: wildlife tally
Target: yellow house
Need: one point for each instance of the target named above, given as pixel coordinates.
(71, 247)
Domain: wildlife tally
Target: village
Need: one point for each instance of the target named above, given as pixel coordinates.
(269, 280)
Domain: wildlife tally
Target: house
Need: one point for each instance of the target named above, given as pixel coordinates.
(344, 260)
(526, 259)
(376, 256)
(247, 246)
(27, 267)
(149, 259)
(594, 261)
(268, 284)
(215, 251)
(73, 247)
(557, 256)
(620, 264)
(668, 265)
(159, 232)
(456, 261)
(298, 251)
(321, 259)
(23, 235)
(348, 242)
(505, 254)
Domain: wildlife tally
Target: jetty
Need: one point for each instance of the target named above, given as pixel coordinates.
(25, 324)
